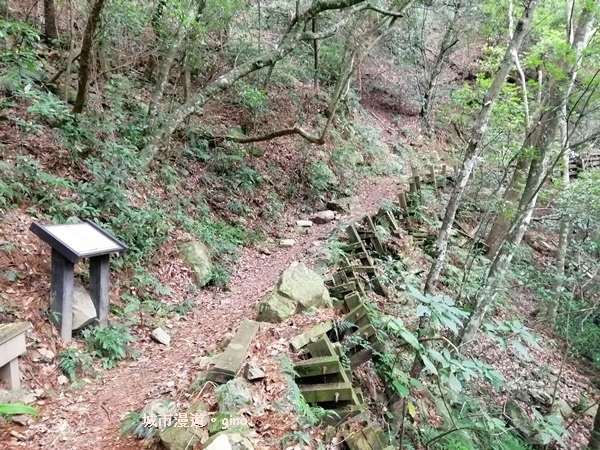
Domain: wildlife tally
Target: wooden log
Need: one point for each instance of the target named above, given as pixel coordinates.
(404, 206)
(432, 174)
(416, 178)
(301, 340)
(356, 314)
(373, 438)
(357, 441)
(323, 365)
(361, 357)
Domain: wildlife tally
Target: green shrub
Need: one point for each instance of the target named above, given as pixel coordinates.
(110, 343)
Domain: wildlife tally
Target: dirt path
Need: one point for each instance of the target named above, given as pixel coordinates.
(89, 417)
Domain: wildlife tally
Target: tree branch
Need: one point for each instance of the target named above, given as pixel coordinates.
(273, 135)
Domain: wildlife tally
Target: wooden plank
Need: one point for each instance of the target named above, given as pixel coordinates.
(358, 312)
(11, 330)
(323, 365)
(372, 438)
(352, 301)
(364, 269)
(404, 206)
(228, 363)
(322, 347)
(361, 357)
(432, 174)
(416, 178)
(302, 339)
(357, 441)
(366, 331)
(330, 392)
(392, 221)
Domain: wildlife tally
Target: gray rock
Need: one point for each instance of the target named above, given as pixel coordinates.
(22, 420)
(161, 336)
(541, 397)
(228, 441)
(561, 408)
(304, 287)
(304, 223)
(287, 243)
(275, 308)
(265, 251)
(344, 205)
(234, 396)
(185, 437)
(253, 372)
(521, 421)
(298, 289)
(160, 408)
(84, 311)
(198, 257)
(323, 217)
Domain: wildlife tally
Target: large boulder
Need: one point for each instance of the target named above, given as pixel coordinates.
(298, 289)
(228, 441)
(234, 396)
(275, 308)
(198, 257)
(84, 311)
(304, 287)
(184, 437)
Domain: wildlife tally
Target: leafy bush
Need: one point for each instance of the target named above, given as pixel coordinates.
(111, 343)
(73, 361)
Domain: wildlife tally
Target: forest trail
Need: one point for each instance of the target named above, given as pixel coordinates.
(90, 417)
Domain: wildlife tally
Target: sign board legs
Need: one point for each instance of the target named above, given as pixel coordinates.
(99, 281)
(61, 294)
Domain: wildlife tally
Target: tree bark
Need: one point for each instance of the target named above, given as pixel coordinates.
(550, 122)
(474, 145)
(594, 443)
(85, 57)
(511, 196)
(448, 43)
(171, 53)
(50, 28)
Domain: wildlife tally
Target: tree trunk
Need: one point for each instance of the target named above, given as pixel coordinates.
(594, 443)
(50, 28)
(474, 145)
(169, 58)
(549, 123)
(511, 196)
(85, 57)
(448, 42)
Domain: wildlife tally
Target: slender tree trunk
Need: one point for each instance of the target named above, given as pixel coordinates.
(85, 57)
(169, 58)
(549, 311)
(50, 28)
(474, 145)
(550, 123)
(594, 443)
(448, 43)
(510, 198)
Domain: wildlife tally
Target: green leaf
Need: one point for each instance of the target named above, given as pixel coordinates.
(429, 365)
(521, 349)
(423, 310)
(454, 383)
(402, 390)
(416, 383)
(411, 409)
(410, 338)
(17, 408)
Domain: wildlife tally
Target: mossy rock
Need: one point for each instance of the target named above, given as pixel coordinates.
(197, 255)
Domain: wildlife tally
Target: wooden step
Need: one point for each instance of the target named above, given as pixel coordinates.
(330, 392)
(318, 366)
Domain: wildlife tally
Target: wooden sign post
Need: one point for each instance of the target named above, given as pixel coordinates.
(70, 244)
